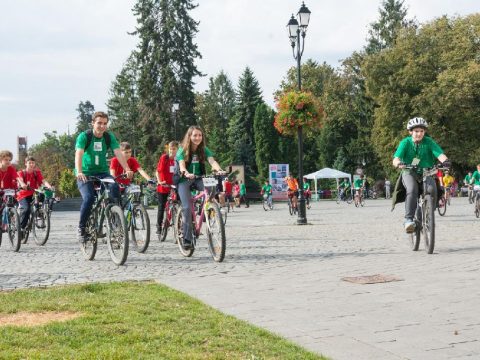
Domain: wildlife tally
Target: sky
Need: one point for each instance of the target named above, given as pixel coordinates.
(56, 53)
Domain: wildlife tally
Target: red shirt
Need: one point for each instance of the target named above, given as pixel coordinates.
(165, 172)
(228, 187)
(33, 179)
(132, 164)
(8, 178)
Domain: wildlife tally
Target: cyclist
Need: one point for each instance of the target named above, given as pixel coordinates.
(243, 194)
(292, 190)
(228, 192)
(191, 158)
(91, 160)
(267, 189)
(417, 149)
(344, 188)
(8, 174)
(28, 180)
(359, 186)
(475, 181)
(306, 191)
(165, 167)
(448, 181)
(236, 193)
(117, 169)
(466, 181)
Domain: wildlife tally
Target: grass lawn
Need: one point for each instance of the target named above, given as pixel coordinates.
(135, 320)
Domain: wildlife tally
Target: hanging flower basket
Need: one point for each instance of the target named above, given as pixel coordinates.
(297, 109)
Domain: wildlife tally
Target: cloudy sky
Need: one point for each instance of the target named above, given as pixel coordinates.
(56, 53)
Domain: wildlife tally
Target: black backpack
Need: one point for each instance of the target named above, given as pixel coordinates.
(89, 134)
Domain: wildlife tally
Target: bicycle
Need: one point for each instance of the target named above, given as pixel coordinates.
(343, 195)
(116, 227)
(10, 220)
(136, 217)
(267, 202)
(308, 195)
(171, 208)
(359, 199)
(291, 208)
(39, 220)
(425, 212)
(203, 208)
(442, 204)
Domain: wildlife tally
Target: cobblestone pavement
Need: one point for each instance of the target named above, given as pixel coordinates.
(287, 278)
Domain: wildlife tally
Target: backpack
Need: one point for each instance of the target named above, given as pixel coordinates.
(89, 134)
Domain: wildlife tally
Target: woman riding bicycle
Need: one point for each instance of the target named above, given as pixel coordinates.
(191, 157)
(419, 150)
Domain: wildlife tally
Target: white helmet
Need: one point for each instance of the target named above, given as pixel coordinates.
(416, 122)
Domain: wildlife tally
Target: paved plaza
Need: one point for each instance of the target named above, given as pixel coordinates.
(288, 278)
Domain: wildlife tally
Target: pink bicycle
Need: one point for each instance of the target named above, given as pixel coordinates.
(204, 208)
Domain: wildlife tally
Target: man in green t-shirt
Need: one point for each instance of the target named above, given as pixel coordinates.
(243, 194)
(267, 191)
(466, 181)
(91, 160)
(422, 151)
(475, 182)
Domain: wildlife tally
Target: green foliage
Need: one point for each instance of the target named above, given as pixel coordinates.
(431, 72)
(266, 140)
(84, 119)
(68, 184)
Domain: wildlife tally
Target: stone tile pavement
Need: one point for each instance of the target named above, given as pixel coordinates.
(287, 278)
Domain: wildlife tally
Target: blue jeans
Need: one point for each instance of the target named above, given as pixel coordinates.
(88, 196)
(24, 206)
(185, 195)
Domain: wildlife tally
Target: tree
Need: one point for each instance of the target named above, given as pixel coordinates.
(266, 139)
(84, 119)
(384, 32)
(240, 131)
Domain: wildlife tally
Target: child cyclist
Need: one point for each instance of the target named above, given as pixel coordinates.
(117, 169)
(8, 174)
(28, 180)
(267, 191)
(421, 150)
(191, 157)
(165, 168)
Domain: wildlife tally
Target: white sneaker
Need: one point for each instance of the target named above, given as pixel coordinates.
(409, 226)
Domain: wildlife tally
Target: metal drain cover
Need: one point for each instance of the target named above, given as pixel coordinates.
(371, 279)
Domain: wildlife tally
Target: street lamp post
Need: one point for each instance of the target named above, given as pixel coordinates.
(298, 27)
(175, 107)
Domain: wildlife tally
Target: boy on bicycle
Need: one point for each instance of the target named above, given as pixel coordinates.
(475, 181)
(344, 188)
(267, 190)
(292, 190)
(117, 169)
(419, 150)
(165, 167)
(28, 180)
(91, 160)
(359, 185)
(8, 174)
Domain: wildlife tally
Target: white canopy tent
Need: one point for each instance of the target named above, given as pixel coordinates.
(327, 173)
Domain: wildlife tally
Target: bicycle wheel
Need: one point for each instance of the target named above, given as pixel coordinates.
(415, 236)
(428, 228)
(178, 230)
(362, 202)
(356, 201)
(117, 235)
(477, 207)
(265, 204)
(140, 228)
(89, 247)
(14, 229)
(215, 233)
(349, 199)
(290, 207)
(41, 226)
(338, 198)
(442, 206)
(165, 226)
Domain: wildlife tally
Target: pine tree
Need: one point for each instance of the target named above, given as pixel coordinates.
(84, 119)
(266, 139)
(240, 130)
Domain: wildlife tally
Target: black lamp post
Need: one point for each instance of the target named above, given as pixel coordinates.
(297, 28)
(175, 107)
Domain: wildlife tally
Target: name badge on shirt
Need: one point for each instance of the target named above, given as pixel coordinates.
(194, 159)
(97, 146)
(415, 161)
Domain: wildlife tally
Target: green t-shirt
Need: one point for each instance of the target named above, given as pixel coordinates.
(344, 185)
(358, 183)
(467, 179)
(427, 151)
(306, 186)
(267, 189)
(243, 189)
(94, 160)
(476, 177)
(194, 166)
